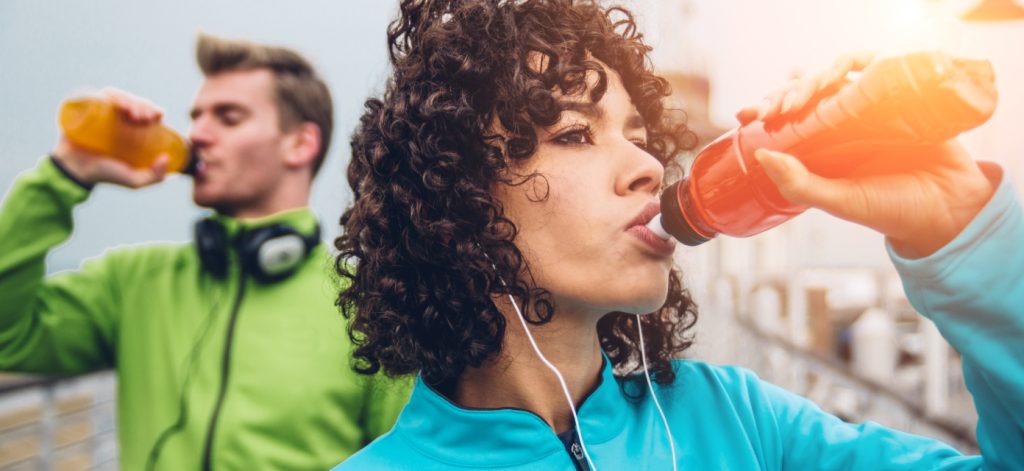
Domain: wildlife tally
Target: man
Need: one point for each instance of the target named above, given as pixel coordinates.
(229, 351)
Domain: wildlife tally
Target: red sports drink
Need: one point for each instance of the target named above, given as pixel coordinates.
(918, 98)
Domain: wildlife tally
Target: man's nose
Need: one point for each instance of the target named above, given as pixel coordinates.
(200, 133)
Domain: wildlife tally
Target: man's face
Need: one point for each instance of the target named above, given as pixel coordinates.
(237, 138)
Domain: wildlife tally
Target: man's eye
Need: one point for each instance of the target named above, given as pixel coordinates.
(230, 119)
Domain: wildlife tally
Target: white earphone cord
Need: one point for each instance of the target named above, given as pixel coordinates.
(561, 380)
(650, 387)
(568, 396)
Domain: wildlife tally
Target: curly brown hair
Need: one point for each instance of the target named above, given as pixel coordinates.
(426, 245)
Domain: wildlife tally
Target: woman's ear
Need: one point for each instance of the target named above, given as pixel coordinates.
(304, 145)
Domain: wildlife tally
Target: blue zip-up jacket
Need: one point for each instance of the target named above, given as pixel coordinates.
(727, 418)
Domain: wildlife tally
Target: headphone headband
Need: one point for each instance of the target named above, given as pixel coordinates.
(269, 253)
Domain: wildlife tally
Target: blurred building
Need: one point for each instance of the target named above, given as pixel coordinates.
(814, 305)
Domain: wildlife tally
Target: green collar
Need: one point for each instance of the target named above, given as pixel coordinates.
(301, 219)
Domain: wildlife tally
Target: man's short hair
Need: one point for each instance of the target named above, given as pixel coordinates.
(300, 93)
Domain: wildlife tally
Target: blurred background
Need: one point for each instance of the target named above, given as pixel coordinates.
(812, 305)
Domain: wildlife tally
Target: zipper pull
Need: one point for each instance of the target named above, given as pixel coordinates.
(577, 452)
(578, 458)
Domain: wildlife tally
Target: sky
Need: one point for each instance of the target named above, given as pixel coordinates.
(51, 49)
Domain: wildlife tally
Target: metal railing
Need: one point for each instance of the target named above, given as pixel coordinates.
(778, 355)
(58, 423)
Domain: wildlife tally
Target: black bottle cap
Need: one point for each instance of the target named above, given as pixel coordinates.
(193, 162)
(673, 221)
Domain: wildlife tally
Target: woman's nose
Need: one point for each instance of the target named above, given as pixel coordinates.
(641, 172)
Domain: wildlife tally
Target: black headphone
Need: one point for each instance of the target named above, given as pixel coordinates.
(270, 253)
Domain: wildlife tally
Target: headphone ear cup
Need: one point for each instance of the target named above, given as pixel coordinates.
(211, 244)
(272, 253)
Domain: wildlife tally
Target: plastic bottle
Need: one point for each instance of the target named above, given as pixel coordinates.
(873, 345)
(917, 98)
(95, 124)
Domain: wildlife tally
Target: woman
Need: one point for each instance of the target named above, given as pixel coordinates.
(496, 247)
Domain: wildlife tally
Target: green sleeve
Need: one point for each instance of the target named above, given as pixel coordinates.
(385, 399)
(64, 323)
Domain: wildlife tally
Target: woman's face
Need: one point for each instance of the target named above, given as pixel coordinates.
(582, 223)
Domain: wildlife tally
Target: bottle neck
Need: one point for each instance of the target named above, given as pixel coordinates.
(681, 217)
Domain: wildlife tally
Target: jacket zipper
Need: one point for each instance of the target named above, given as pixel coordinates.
(576, 452)
(225, 370)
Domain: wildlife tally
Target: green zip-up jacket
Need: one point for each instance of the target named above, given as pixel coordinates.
(256, 376)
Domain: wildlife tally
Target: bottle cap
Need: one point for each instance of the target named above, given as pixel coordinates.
(674, 222)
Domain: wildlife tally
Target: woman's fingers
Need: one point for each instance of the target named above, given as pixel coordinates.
(836, 76)
(853, 62)
(839, 197)
(746, 115)
(801, 92)
(881, 203)
(794, 181)
(771, 105)
(799, 96)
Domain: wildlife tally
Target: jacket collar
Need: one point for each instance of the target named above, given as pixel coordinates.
(452, 434)
(302, 220)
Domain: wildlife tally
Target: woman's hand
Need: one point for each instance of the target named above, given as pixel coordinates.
(920, 197)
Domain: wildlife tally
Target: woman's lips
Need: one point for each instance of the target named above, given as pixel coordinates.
(656, 244)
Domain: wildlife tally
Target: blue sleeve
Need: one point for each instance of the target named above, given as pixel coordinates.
(973, 289)
(781, 430)
(810, 438)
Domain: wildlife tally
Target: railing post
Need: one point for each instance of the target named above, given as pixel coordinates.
(936, 369)
(48, 428)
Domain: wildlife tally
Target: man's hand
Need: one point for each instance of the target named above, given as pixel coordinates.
(920, 197)
(90, 168)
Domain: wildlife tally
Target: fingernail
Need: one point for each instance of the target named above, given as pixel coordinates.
(743, 116)
(762, 109)
(765, 154)
(836, 77)
(771, 164)
(787, 102)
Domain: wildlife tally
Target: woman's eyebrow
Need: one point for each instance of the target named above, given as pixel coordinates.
(596, 112)
(590, 110)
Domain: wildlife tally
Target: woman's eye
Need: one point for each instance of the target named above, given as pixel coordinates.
(575, 137)
(641, 144)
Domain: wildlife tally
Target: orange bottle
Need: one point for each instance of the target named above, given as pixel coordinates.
(96, 125)
(918, 98)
